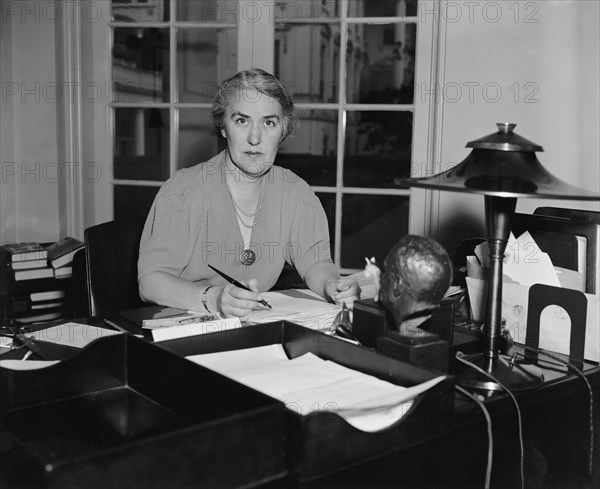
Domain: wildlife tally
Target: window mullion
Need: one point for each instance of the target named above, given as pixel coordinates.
(339, 183)
(173, 112)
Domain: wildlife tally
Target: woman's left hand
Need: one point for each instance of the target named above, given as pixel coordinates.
(343, 290)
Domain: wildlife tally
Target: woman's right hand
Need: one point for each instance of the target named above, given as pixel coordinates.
(233, 301)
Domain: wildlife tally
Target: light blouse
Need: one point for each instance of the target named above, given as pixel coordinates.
(192, 223)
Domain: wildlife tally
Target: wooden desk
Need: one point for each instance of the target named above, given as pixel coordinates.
(556, 439)
(556, 430)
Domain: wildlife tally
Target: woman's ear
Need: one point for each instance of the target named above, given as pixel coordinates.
(223, 133)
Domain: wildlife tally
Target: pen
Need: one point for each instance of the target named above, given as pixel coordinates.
(238, 284)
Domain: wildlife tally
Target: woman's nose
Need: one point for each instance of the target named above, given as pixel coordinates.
(254, 135)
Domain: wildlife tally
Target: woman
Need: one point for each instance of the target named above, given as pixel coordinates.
(239, 213)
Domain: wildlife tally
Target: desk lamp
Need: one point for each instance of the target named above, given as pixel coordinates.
(502, 167)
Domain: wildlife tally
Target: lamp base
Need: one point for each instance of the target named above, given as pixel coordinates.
(514, 375)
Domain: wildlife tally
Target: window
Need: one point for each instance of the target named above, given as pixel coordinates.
(350, 66)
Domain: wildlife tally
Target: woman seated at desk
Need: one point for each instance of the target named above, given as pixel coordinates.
(239, 213)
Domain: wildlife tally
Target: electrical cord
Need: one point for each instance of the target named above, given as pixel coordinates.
(460, 357)
(589, 388)
(488, 419)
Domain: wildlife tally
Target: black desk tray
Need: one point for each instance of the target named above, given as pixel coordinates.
(125, 413)
(323, 442)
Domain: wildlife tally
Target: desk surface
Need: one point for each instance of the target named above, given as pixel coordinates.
(556, 438)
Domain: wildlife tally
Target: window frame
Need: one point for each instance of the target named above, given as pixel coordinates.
(255, 48)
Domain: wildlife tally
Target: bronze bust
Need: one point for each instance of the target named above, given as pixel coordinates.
(417, 274)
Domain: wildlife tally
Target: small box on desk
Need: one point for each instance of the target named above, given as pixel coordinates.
(370, 319)
(323, 442)
(432, 354)
(125, 413)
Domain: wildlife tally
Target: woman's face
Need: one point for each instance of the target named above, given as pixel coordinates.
(253, 129)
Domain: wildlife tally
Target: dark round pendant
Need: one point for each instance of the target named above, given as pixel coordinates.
(247, 257)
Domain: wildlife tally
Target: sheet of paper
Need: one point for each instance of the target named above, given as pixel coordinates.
(233, 361)
(527, 264)
(307, 384)
(27, 364)
(311, 312)
(72, 334)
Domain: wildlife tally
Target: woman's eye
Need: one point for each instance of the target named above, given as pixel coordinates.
(240, 120)
(271, 123)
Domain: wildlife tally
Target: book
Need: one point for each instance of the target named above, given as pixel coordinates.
(154, 316)
(36, 306)
(27, 264)
(61, 253)
(40, 317)
(26, 251)
(63, 272)
(160, 323)
(34, 273)
(47, 295)
(194, 327)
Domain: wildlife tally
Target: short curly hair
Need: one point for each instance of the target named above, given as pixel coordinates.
(262, 82)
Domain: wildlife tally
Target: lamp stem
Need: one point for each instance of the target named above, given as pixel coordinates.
(498, 217)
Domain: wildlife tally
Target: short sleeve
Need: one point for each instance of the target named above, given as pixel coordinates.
(309, 242)
(168, 235)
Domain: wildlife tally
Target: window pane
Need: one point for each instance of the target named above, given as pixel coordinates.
(307, 59)
(197, 141)
(139, 10)
(140, 68)
(377, 148)
(383, 8)
(311, 151)
(328, 203)
(210, 11)
(141, 144)
(205, 57)
(307, 9)
(371, 225)
(380, 63)
(131, 201)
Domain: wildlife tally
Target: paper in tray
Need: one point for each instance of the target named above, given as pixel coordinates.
(323, 442)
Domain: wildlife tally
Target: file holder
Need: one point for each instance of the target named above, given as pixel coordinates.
(125, 413)
(322, 442)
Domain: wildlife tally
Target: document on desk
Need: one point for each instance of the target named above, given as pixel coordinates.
(71, 334)
(308, 384)
(300, 307)
(27, 364)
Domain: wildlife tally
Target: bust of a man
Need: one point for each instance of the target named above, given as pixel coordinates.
(417, 274)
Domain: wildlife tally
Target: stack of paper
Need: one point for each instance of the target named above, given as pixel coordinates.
(308, 384)
(526, 264)
(301, 307)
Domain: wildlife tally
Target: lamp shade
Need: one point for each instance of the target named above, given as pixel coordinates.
(503, 164)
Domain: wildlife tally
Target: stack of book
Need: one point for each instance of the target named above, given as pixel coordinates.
(30, 291)
(29, 261)
(60, 256)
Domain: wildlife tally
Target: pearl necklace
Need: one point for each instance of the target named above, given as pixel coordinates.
(239, 211)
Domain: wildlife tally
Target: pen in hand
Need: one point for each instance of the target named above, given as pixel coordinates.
(238, 284)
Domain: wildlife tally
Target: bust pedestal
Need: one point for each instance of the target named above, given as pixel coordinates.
(423, 349)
